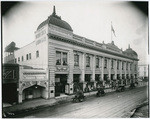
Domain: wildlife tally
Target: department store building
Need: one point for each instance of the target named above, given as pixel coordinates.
(70, 59)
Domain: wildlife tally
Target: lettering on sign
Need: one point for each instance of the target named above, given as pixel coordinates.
(9, 74)
(41, 40)
(40, 34)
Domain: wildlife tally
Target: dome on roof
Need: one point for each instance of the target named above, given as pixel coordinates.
(130, 51)
(55, 20)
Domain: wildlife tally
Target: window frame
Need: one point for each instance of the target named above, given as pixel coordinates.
(97, 62)
(76, 63)
(118, 64)
(37, 54)
(64, 58)
(88, 61)
(29, 55)
(105, 63)
(112, 64)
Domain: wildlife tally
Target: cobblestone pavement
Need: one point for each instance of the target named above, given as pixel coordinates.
(112, 105)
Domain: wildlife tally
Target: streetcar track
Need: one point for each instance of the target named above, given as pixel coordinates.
(94, 108)
(81, 108)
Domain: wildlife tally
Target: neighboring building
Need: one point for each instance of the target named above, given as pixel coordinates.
(143, 71)
(9, 53)
(70, 59)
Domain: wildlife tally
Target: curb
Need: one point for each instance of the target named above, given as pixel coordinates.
(62, 100)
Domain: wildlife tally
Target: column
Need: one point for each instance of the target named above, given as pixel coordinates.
(93, 69)
(109, 71)
(129, 70)
(83, 70)
(51, 70)
(102, 69)
(20, 96)
(115, 69)
(120, 69)
(19, 89)
(109, 68)
(70, 75)
(125, 69)
(46, 89)
(121, 72)
(51, 82)
(125, 72)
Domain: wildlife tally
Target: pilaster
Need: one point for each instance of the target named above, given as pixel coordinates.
(93, 68)
(109, 68)
(70, 75)
(20, 91)
(115, 69)
(83, 68)
(102, 68)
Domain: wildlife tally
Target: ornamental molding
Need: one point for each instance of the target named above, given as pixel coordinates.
(27, 84)
(50, 35)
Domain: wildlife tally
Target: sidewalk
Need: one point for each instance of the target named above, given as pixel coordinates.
(42, 103)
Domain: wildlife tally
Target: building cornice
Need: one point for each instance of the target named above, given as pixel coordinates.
(71, 41)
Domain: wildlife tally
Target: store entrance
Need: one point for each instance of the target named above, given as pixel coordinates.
(60, 83)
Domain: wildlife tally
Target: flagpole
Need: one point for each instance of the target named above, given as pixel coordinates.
(111, 31)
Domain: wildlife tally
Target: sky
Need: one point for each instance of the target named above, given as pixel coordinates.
(88, 18)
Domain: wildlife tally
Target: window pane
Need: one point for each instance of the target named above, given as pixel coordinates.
(27, 56)
(87, 61)
(97, 62)
(105, 66)
(64, 58)
(37, 54)
(58, 58)
(76, 60)
(112, 64)
(117, 64)
(126, 66)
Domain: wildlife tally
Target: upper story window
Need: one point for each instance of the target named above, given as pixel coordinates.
(37, 54)
(64, 58)
(135, 68)
(127, 66)
(105, 65)
(61, 58)
(130, 66)
(76, 60)
(97, 62)
(87, 61)
(58, 58)
(29, 55)
(122, 65)
(15, 60)
(18, 59)
(22, 58)
(118, 64)
(112, 64)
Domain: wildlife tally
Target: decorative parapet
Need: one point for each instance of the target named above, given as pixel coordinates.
(27, 84)
(81, 41)
(62, 68)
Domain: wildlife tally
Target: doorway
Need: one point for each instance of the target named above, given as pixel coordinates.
(60, 83)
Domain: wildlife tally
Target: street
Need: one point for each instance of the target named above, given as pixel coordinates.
(116, 104)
